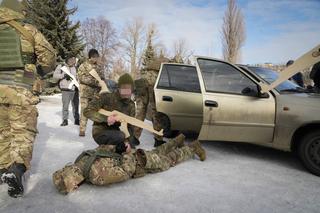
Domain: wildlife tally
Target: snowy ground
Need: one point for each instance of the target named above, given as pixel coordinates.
(234, 178)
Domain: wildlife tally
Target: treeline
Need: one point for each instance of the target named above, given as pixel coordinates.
(126, 50)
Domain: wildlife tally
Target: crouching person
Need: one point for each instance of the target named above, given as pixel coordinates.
(108, 164)
(105, 129)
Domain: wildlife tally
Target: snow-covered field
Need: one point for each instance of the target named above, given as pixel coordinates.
(234, 178)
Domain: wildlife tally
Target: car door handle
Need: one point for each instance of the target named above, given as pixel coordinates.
(167, 98)
(211, 104)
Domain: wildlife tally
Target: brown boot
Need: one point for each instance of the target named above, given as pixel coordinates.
(82, 134)
(180, 140)
(198, 150)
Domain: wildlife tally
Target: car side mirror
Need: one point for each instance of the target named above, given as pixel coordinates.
(250, 92)
(262, 94)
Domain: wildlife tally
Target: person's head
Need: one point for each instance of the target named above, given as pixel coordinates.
(125, 85)
(71, 61)
(93, 56)
(289, 63)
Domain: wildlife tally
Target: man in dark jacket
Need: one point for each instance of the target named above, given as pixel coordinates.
(106, 130)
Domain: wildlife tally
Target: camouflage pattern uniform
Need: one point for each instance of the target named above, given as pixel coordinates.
(102, 171)
(18, 113)
(145, 96)
(110, 102)
(89, 87)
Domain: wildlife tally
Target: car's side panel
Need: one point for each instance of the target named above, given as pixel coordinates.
(184, 110)
(239, 118)
(291, 116)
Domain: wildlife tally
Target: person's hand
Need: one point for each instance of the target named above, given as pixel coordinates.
(128, 149)
(112, 119)
(67, 77)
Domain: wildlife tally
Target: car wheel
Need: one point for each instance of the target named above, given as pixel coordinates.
(309, 152)
(166, 125)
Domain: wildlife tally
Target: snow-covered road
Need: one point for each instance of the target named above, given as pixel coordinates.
(234, 178)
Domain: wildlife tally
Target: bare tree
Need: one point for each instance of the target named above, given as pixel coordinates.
(100, 34)
(134, 43)
(119, 67)
(233, 32)
(181, 52)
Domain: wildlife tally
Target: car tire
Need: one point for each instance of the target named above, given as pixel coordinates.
(309, 152)
(166, 125)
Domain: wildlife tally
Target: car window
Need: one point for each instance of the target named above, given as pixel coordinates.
(222, 77)
(177, 77)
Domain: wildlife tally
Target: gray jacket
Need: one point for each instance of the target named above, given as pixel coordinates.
(60, 75)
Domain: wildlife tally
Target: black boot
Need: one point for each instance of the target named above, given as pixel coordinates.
(2, 171)
(13, 177)
(76, 122)
(64, 123)
(158, 142)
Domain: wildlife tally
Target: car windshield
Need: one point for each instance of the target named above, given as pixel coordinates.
(270, 76)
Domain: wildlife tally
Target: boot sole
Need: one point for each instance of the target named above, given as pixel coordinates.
(15, 188)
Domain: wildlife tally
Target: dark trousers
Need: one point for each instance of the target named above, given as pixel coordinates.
(110, 137)
(75, 105)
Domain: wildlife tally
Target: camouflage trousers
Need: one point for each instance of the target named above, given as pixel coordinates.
(106, 171)
(143, 101)
(83, 119)
(18, 125)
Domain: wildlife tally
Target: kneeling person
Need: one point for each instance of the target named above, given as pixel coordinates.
(105, 165)
(105, 129)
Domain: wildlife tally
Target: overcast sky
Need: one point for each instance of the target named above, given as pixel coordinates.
(277, 30)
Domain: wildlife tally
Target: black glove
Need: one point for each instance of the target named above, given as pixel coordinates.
(121, 148)
(40, 70)
(67, 77)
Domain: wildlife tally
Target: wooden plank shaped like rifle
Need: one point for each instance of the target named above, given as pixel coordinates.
(73, 78)
(305, 61)
(102, 84)
(125, 120)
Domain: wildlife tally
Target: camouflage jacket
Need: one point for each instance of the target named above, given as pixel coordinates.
(102, 166)
(110, 102)
(89, 86)
(35, 50)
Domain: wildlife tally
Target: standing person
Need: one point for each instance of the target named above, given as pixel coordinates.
(75, 107)
(66, 85)
(315, 76)
(106, 130)
(24, 51)
(145, 97)
(89, 86)
(76, 100)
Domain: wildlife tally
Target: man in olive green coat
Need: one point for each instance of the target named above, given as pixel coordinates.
(106, 130)
(24, 52)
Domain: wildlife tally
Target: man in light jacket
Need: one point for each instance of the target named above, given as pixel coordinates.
(66, 85)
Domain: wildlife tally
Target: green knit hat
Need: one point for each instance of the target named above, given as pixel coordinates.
(125, 79)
